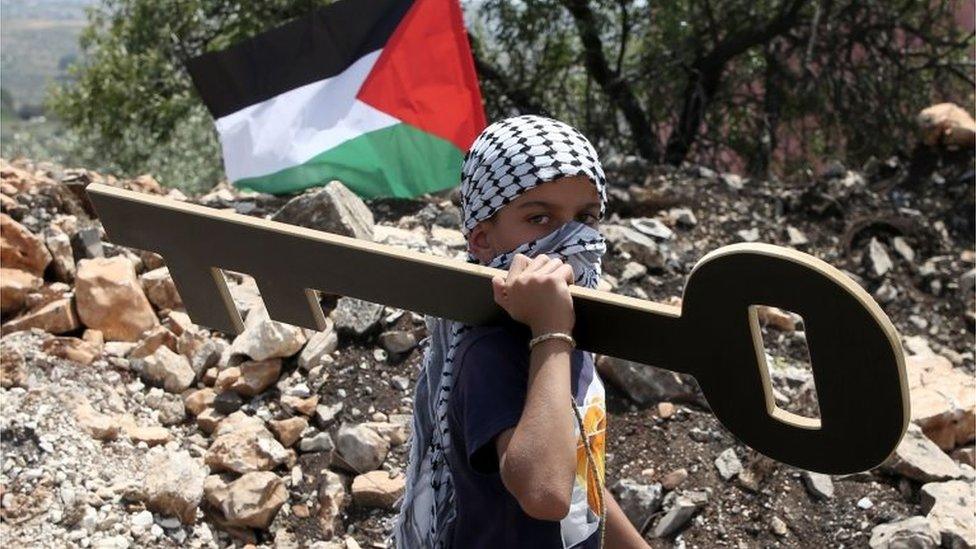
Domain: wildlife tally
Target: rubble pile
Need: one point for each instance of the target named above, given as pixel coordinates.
(124, 424)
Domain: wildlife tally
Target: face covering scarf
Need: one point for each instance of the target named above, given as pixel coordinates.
(508, 158)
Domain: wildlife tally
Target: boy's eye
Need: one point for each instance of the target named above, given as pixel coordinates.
(587, 218)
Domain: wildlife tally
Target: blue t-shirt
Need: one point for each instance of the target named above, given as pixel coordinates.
(491, 376)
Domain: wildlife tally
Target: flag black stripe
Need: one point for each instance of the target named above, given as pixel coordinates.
(313, 47)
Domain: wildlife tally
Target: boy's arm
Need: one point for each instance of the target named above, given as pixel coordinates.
(537, 457)
(620, 533)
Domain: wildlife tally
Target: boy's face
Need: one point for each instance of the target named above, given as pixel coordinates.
(535, 213)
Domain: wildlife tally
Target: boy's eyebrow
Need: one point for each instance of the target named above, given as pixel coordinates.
(548, 204)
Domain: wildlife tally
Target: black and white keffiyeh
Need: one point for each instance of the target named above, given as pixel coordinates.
(507, 158)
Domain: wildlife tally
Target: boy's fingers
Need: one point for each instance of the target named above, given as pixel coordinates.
(537, 262)
(518, 265)
(498, 288)
(551, 266)
(566, 270)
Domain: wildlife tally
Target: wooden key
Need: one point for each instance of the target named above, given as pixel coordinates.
(855, 351)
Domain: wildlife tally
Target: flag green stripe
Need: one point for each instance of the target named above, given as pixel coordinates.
(399, 161)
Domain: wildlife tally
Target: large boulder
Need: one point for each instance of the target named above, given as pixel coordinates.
(109, 298)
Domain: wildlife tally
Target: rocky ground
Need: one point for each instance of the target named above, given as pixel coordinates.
(125, 425)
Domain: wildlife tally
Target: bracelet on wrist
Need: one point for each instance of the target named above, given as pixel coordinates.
(552, 335)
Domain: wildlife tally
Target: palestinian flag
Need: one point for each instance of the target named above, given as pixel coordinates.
(379, 94)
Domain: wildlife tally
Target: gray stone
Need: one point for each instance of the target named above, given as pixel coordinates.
(683, 216)
(357, 316)
(682, 507)
(326, 413)
(332, 208)
(647, 384)
(749, 235)
(652, 227)
(818, 484)
(902, 247)
(264, 338)
(174, 484)
(733, 181)
(728, 464)
(319, 345)
(910, 533)
(778, 526)
(319, 442)
(167, 369)
(400, 382)
(632, 270)
(640, 247)
(362, 448)
(878, 258)
(63, 261)
(796, 236)
(950, 510)
(397, 341)
(918, 458)
(638, 501)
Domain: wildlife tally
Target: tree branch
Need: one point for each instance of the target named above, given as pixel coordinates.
(617, 89)
(706, 75)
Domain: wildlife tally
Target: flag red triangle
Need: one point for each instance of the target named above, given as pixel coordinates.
(425, 75)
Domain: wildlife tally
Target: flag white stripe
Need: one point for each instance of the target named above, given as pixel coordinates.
(293, 127)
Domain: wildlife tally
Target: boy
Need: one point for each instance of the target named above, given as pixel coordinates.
(499, 457)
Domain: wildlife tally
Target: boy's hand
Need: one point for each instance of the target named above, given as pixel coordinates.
(536, 293)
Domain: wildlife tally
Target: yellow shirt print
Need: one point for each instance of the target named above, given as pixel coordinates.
(583, 518)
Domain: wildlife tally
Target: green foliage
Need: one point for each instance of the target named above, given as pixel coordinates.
(131, 96)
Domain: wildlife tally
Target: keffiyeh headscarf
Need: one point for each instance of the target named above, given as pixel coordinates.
(507, 158)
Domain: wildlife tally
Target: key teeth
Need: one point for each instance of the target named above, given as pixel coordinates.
(285, 303)
(198, 289)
